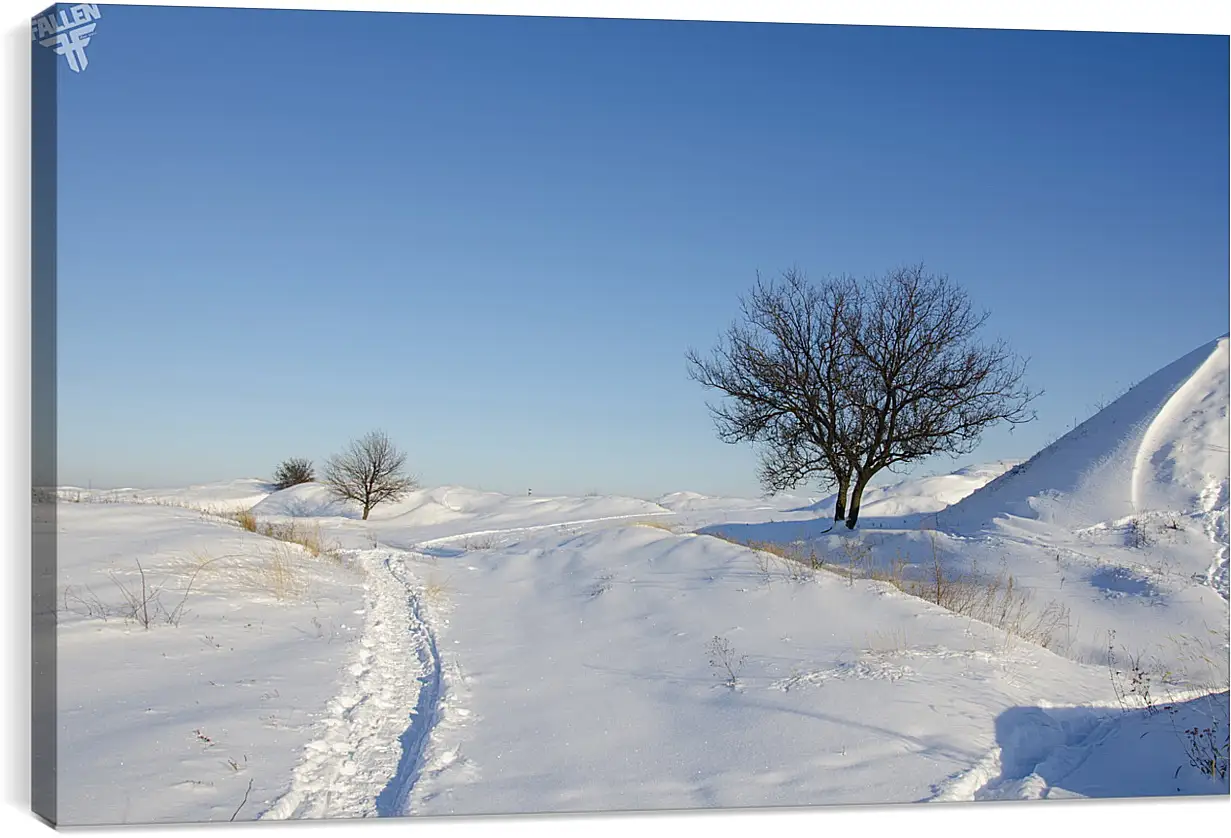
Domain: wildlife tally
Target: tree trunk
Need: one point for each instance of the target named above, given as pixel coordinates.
(852, 515)
(839, 510)
(366, 510)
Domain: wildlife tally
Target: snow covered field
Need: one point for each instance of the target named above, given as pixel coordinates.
(467, 652)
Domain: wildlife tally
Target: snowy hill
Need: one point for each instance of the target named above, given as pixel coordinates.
(1162, 445)
(221, 496)
(469, 652)
(445, 512)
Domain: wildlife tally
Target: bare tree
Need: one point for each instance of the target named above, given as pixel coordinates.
(781, 369)
(928, 385)
(840, 381)
(370, 471)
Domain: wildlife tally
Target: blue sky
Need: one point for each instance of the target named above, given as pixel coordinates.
(495, 238)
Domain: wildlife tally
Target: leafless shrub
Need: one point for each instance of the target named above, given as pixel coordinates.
(177, 613)
(84, 602)
(142, 604)
(472, 543)
(1132, 679)
(858, 556)
(293, 472)
(724, 659)
(1137, 534)
(1208, 748)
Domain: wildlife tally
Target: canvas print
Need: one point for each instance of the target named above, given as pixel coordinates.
(444, 415)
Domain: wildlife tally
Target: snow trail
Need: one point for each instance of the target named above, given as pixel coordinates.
(431, 542)
(355, 768)
(394, 798)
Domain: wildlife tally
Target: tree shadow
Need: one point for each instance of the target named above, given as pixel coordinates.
(787, 532)
(1106, 752)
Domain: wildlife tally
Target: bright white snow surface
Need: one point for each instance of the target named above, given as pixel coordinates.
(466, 652)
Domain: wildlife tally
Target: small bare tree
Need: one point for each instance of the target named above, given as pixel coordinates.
(839, 381)
(370, 471)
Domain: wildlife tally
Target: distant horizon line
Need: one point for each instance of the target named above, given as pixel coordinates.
(426, 487)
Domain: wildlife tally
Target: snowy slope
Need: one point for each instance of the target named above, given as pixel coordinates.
(1124, 519)
(447, 513)
(240, 659)
(534, 654)
(1156, 447)
(1153, 571)
(605, 698)
(612, 696)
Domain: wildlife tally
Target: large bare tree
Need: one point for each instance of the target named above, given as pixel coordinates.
(781, 367)
(370, 471)
(837, 382)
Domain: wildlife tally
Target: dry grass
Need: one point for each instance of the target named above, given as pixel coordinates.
(658, 525)
(246, 520)
(894, 573)
(277, 573)
(794, 562)
(306, 537)
(996, 600)
(436, 591)
(888, 643)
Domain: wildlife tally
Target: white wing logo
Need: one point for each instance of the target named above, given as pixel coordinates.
(71, 45)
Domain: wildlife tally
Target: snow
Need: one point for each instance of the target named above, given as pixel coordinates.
(1100, 469)
(468, 652)
(221, 497)
(607, 698)
(170, 723)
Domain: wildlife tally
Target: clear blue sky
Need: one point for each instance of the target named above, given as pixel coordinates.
(495, 238)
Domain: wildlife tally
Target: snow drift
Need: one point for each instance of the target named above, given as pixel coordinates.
(1160, 445)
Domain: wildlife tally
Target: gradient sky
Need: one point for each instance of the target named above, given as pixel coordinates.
(495, 238)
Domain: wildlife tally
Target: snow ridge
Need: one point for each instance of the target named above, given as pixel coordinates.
(355, 768)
